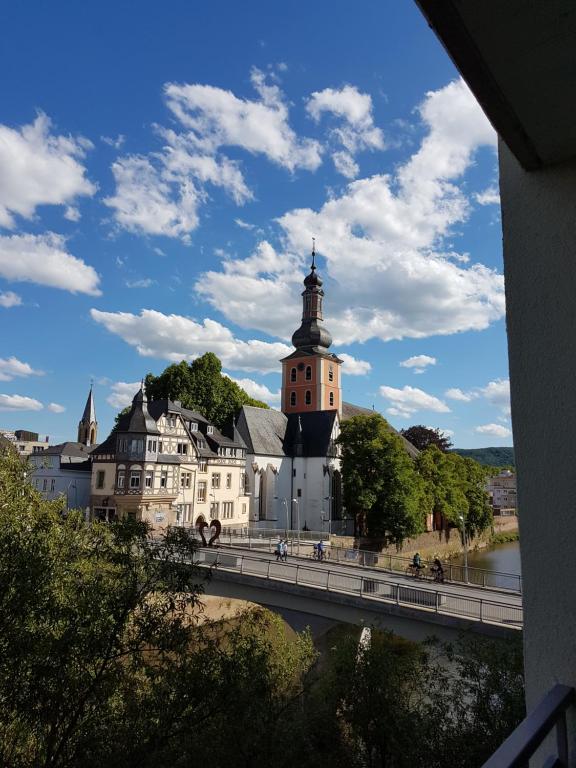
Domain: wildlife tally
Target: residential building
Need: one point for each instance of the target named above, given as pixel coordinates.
(502, 490)
(63, 471)
(25, 442)
(167, 465)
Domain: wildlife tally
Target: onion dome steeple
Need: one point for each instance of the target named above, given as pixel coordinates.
(312, 335)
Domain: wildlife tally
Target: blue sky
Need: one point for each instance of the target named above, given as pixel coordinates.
(163, 168)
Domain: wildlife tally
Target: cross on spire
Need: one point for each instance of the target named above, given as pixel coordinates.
(313, 267)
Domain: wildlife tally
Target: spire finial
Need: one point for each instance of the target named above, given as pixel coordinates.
(313, 267)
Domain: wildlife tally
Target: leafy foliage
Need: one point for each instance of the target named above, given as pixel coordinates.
(380, 482)
(201, 386)
(423, 437)
(502, 458)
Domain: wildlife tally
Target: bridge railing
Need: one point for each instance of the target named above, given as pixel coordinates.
(303, 546)
(389, 591)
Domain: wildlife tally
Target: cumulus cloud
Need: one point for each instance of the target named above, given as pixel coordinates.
(144, 282)
(354, 128)
(494, 430)
(455, 393)
(37, 168)
(388, 274)
(259, 391)
(19, 403)
(122, 393)
(175, 338)
(42, 259)
(215, 118)
(419, 363)
(489, 196)
(354, 367)
(56, 408)
(409, 400)
(497, 393)
(9, 299)
(11, 367)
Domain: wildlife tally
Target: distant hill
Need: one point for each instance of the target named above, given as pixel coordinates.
(494, 457)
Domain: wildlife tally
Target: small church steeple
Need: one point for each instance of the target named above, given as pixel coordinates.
(88, 426)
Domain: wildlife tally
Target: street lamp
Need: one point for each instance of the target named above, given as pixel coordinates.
(465, 542)
(215, 506)
(326, 520)
(285, 501)
(295, 501)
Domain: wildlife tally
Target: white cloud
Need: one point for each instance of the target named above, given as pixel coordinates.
(454, 393)
(418, 363)
(42, 259)
(388, 273)
(55, 408)
(355, 129)
(144, 282)
(116, 143)
(72, 214)
(494, 430)
(175, 338)
(122, 393)
(354, 367)
(497, 393)
(489, 196)
(39, 168)
(259, 391)
(408, 400)
(216, 118)
(11, 367)
(9, 299)
(243, 224)
(19, 403)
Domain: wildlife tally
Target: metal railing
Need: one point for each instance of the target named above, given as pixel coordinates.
(453, 572)
(400, 593)
(522, 743)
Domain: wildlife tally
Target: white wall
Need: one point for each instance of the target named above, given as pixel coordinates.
(539, 224)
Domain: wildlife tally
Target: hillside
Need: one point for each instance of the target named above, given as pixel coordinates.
(494, 457)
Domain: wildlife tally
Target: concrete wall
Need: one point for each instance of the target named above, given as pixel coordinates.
(539, 224)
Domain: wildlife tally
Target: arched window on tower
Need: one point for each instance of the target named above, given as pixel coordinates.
(330, 373)
(308, 399)
(308, 373)
(292, 398)
(331, 398)
(293, 374)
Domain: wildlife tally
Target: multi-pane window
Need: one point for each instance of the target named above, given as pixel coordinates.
(202, 465)
(193, 426)
(149, 478)
(100, 479)
(214, 510)
(308, 373)
(292, 398)
(210, 429)
(151, 446)
(120, 479)
(242, 482)
(227, 510)
(182, 448)
(229, 480)
(308, 399)
(185, 479)
(243, 510)
(293, 375)
(52, 485)
(164, 478)
(215, 480)
(160, 446)
(330, 373)
(331, 398)
(170, 422)
(201, 496)
(45, 484)
(135, 479)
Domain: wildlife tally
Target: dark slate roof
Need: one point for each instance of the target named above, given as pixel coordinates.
(89, 414)
(75, 450)
(76, 466)
(138, 420)
(312, 430)
(313, 352)
(349, 411)
(108, 446)
(263, 430)
(214, 441)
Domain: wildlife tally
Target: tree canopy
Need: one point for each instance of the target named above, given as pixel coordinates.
(423, 437)
(380, 482)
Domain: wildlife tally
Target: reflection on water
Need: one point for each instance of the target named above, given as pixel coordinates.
(502, 557)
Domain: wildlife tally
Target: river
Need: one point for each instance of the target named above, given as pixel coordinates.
(501, 557)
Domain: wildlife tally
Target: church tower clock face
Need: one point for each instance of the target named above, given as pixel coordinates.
(311, 374)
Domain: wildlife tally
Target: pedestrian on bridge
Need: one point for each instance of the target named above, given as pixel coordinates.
(279, 551)
(285, 550)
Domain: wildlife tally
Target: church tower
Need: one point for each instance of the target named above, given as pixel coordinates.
(311, 374)
(88, 426)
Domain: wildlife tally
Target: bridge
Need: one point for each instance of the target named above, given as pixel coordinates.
(410, 607)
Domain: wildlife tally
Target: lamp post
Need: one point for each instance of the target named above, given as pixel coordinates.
(465, 542)
(214, 502)
(295, 501)
(285, 502)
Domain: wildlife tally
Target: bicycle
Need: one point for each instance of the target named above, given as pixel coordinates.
(415, 571)
(320, 556)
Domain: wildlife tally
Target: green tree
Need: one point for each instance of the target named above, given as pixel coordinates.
(423, 437)
(201, 386)
(104, 657)
(381, 484)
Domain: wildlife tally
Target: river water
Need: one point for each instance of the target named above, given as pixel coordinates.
(501, 557)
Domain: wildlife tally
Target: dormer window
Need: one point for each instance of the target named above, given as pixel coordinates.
(308, 373)
(292, 399)
(210, 429)
(193, 426)
(293, 375)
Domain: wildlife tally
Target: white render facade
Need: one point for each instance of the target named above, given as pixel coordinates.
(167, 465)
(502, 490)
(63, 471)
